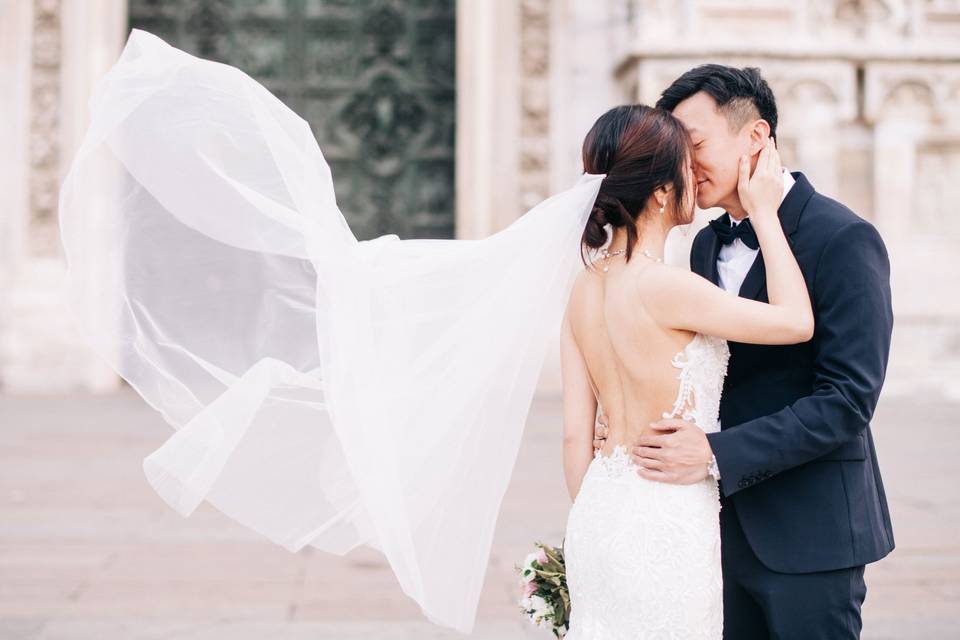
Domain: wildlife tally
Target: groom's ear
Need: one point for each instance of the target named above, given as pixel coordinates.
(759, 132)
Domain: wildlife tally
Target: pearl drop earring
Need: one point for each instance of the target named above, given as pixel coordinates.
(662, 207)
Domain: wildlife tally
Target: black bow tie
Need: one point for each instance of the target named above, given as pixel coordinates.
(727, 233)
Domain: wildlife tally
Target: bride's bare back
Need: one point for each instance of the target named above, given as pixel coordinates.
(628, 355)
(623, 327)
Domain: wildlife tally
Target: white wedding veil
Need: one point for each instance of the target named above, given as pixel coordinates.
(324, 391)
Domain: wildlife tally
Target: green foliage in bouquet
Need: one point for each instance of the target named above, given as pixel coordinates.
(545, 599)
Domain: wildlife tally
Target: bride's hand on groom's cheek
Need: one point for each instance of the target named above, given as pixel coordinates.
(678, 453)
(599, 432)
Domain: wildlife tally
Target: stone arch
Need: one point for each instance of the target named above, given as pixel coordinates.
(910, 98)
(811, 90)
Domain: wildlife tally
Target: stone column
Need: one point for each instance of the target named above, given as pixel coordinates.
(53, 55)
(812, 126)
(93, 35)
(15, 73)
(589, 38)
(916, 164)
(488, 116)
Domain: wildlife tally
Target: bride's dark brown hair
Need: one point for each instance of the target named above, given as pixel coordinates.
(640, 148)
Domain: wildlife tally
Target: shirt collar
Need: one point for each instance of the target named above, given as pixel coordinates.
(788, 182)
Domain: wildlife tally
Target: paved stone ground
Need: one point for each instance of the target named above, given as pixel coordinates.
(88, 551)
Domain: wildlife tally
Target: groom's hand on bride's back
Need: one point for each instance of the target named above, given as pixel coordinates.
(677, 453)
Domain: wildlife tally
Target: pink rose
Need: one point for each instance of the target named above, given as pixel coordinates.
(529, 588)
(541, 556)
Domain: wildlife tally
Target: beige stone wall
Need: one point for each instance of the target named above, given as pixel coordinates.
(870, 110)
(869, 102)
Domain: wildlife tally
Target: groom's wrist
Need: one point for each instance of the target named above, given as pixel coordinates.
(712, 469)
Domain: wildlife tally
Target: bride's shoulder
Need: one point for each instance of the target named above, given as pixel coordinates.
(583, 277)
(581, 284)
(670, 292)
(667, 280)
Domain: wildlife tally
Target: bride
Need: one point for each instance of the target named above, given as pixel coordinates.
(335, 393)
(648, 341)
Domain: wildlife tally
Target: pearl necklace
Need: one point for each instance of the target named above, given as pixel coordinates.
(654, 258)
(606, 255)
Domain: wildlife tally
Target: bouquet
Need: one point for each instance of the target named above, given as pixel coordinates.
(545, 597)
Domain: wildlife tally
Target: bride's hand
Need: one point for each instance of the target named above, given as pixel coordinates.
(600, 429)
(761, 192)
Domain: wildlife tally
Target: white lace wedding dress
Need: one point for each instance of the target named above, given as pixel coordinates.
(643, 557)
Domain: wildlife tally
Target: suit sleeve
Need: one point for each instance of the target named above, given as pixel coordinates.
(854, 322)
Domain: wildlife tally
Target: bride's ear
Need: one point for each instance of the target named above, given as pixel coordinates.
(660, 197)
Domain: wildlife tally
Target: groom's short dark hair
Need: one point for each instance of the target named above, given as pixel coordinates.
(737, 93)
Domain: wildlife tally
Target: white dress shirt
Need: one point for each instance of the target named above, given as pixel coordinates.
(736, 258)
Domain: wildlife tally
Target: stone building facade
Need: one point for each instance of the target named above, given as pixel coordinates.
(869, 94)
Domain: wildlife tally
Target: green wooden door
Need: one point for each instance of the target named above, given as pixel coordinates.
(374, 78)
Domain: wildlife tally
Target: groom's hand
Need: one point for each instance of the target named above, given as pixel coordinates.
(678, 453)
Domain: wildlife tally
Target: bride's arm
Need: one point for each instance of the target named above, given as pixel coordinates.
(579, 410)
(685, 300)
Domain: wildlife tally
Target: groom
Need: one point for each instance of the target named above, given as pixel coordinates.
(802, 504)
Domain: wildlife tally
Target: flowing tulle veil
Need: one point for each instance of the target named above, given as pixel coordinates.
(324, 391)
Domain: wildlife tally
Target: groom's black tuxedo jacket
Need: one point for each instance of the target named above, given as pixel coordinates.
(795, 450)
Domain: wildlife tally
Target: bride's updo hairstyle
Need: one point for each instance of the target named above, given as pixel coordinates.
(639, 148)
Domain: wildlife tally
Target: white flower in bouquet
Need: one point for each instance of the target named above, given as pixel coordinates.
(529, 573)
(540, 608)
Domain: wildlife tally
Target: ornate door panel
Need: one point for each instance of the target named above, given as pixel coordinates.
(374, 78)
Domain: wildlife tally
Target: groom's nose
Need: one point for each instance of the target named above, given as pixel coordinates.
(695, 165)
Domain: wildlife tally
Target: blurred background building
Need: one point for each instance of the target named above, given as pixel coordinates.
(450, 118)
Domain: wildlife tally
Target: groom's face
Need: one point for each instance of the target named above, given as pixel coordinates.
(717, 150)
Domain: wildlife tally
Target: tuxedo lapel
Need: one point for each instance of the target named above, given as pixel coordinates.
(789, 213)
(755, 279)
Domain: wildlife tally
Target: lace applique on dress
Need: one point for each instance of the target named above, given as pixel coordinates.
(703, 366)
(616, 464)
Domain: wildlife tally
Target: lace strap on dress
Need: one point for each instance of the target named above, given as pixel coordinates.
(683, 406)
